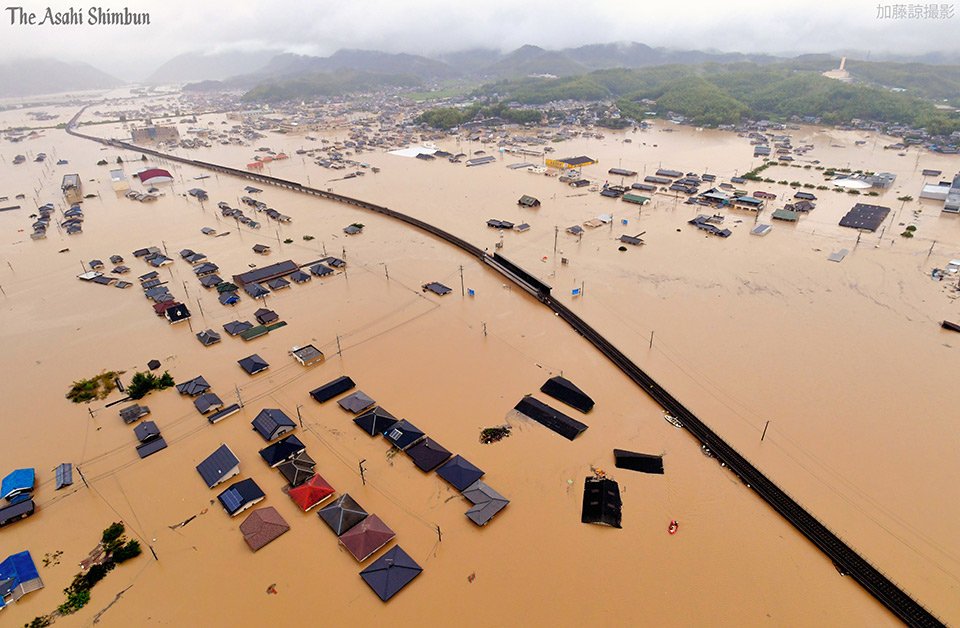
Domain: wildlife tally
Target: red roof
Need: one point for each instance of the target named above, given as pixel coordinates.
(160, 308)
(314, 491)
(365, 538)
(154, 173)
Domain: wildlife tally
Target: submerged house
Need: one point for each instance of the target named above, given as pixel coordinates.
(528, 201)
(240, 496)
(219, 466)
(263, 526)
(342, 514)
(332, 388)
(282, 450)
(601, 502)
(390, 573)
(367, 537)
(486, 502)
(18, 577)
(272, 423)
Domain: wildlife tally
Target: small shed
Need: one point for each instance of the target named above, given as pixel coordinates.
(528, 201)
(601, 502)
(261, 249)
(459, 472)
(321, 270)
(390, 573)
(64, 475)
(437, 288)
(300, 277)
(146, 431)
(364, 539)
(342, 514)
(263, 526)
(219, 466)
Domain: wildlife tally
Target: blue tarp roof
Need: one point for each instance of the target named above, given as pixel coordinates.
(17, 482)
(15, 570)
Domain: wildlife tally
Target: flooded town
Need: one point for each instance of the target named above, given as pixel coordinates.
(592, 367)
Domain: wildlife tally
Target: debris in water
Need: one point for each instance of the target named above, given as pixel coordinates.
(272, 589)
(472, 577)
(494, 434)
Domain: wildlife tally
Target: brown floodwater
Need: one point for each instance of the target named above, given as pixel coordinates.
(846, 361)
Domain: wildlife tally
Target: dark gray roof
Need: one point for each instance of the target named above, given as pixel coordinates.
(194, 386)
(151, 447)
(279, 269)
(146, 431)
(224, 413)
(297, 470)
(486, 502)
(459, 472)
(208, 337)
(271, 423)
(207, 402)
(64, 475)
(342, 514)
(240, 495)
(375, 421)
(403, 434)
(549, 417)
(332, 388)
(218, 466)
(235, 327)
(282, 450)
(601, 501)
(436, 288)
(390, 573)
(300, 277)
(255, 290)
(566, 391)
(253, 364)
(428, 454)
(134, 412)
(320, 270)
(356, 402)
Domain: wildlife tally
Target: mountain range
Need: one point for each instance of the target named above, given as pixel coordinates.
(48, 76)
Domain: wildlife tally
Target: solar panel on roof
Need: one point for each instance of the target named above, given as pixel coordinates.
(231, 498)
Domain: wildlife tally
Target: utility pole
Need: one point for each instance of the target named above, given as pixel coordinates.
(462, 291)
(338, 346)
(439, 535)
(82, 478)
(651, 339)
(363, 477)
(484, 330)
(386, 272)
(556, 232)
(239, 398)
(299, 416)
(764, 431)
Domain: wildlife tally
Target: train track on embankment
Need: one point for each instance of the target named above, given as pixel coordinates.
(847, 560)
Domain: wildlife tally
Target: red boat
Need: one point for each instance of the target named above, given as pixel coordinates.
(674, 526)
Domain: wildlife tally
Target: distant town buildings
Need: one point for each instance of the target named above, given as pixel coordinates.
(155, 134)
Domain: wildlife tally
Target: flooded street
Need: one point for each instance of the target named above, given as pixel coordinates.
(846, 361)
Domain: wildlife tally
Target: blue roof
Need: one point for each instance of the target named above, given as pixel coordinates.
(17, 482)
(15, 570)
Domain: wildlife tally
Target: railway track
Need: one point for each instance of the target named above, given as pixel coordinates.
(848, 560)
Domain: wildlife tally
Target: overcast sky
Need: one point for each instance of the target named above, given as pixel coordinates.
(320, 27)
